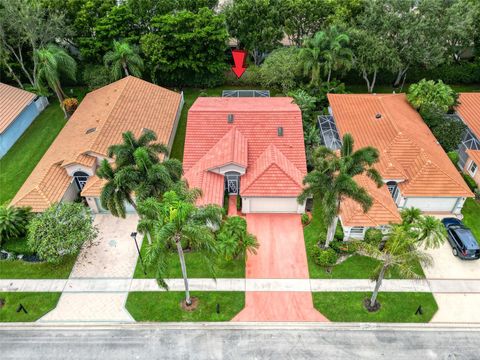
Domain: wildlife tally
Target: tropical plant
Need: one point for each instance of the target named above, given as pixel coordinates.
(53, 63)
(428, 231)
(233, 239)
(13, 222)
(428, 94)
(311, 58)
(60, 230)
(400, 252)
(281, 69)
(123, 58)
(336, 53)
(176, 221)
(332, 180)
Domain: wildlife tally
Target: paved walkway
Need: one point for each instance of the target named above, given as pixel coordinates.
(99, 285)
(92, 293)
(281, 255)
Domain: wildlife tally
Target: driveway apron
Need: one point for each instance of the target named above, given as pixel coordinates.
(281, 255)
(112, 257)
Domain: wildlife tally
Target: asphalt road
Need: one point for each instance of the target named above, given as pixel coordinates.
(238, 342)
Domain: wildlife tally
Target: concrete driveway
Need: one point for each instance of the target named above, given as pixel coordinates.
(447, 266)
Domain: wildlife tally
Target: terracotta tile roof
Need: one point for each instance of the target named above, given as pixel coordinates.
(12, 102)
(257, 121)
(93, 187)
(82, 159)
(469, 110)
(474, 155)
(128, 104)
(402, 134)
(272, 175)
(408, 152)
(383, 210)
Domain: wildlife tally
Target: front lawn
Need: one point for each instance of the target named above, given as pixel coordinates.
(395, 306)
(37, 304)
(197, 266)
(21, 159)
(355, 267)
(471, 213)
(165, 306)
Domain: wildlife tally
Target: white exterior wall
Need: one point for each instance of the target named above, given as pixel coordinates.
(272, 205)
(435, 204)
(230, 167)
(91, 203)
(71, 193)
(73, 168)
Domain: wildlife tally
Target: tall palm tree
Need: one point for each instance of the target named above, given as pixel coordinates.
(311, 57)
(123, 58)
(335, 51)
(331, 179)
(176, 221)
(53, 62)
(400, 253)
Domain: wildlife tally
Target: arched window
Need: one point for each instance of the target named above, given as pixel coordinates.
(232, 182)
(80, 179)
(393, 188)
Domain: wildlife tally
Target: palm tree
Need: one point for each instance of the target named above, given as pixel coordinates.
(331, 179)
(123, 58)
(427, 230)
(52, 63)
(400, 253)
(335, 51)
(311, 56)
(234, 239)
(176, 221)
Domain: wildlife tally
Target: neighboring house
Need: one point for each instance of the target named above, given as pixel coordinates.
(469, 149)
(69, 166)
(415, 169)
(18, 109)
(252, 147)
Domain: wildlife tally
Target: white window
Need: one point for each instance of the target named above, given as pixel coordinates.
(357, 231)
(472, 168)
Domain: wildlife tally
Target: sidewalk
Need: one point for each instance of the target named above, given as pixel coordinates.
(125, 285)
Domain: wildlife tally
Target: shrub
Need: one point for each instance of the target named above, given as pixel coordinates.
(96, 76)
(373, 236)
(13, 222)
(326, 257)
(305, 219)
(61, 230)
(477, 194)
(453, 156)
(448, 131)
(281, 69)
(343, 247)
(234, 240)
(339, 233)
(428, 94)
(239, 203)
(70, 105)
(250, 77)
(470, 182)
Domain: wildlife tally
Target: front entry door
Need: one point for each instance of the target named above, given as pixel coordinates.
(232, 184)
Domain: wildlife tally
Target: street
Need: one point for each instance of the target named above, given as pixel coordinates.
(228, 341)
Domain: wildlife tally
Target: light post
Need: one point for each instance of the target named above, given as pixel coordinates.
(134, 237)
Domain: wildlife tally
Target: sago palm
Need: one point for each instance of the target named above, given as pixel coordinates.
(331, 179)
(53, 62)
(177, 221)
(123, 58)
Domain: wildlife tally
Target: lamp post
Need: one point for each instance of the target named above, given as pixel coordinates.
(134, 237)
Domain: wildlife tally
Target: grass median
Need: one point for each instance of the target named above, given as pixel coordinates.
(36, 304)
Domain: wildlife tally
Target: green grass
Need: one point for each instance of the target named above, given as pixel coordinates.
(17, 269)
(21, 159)
(196, 266)
(471, 213)
(165, 306)
(37, 304)
(395, 306)
(18, 246)
(190, 95)
(355, 267)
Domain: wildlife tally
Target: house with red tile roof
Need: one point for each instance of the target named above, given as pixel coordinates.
(18, 109)
(251, 147)
(469, 149)
(68, 168)
(415, 169)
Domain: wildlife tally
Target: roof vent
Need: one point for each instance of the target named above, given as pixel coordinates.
(90, 130)
(378, 116)
(230, 118)
(280, 131)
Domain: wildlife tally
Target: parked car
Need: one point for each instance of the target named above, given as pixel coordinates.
(463, 242)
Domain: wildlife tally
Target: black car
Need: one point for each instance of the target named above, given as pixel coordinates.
(464, 244)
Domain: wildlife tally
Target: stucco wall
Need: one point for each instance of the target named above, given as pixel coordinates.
(71, 193)
(476, 175)
(435, 204)
(272, 205)
(17, 128)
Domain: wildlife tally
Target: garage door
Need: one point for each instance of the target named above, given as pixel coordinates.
(273, 205)
(128, 208)
(432, 204)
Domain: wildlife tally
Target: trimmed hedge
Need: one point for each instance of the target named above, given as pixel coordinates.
(470, 182)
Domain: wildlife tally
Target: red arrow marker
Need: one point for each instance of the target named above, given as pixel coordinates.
(239, 57)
